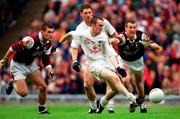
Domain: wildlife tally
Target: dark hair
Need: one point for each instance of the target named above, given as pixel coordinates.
(130, 20)
(94, 19)
(85, 6)
(46, 25)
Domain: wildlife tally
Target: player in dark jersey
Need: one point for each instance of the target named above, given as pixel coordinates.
(22, 64)
(131, 48)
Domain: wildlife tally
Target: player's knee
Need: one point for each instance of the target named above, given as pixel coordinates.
(23, 93)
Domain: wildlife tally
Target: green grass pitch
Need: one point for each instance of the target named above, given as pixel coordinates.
(79, 111)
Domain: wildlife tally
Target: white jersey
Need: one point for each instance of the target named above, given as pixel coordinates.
(107, 28)
(95, 48)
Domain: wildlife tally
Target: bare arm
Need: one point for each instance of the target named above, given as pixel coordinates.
(8, 54)
(113, 61)
(74, 53)
(51, 74)
(6, 58)
(16, 46)
(115, 35)
(66, 37)
(119, 70)
(118, 38)
(156, 47)
(75, 65)
(147, 42)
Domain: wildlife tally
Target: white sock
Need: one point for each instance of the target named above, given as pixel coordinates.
(103, 101)
(41, 105)
(111, 104)
(131, 98)
(93, 104)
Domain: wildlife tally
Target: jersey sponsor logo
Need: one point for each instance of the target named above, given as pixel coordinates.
(40, 51)
(86, 41)
(101, 43)
(95, 49)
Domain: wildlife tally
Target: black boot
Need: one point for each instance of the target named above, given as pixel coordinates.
(9, 87)
(43, 110)
(143, 106)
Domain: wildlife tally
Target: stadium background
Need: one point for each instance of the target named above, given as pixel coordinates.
(160, 19)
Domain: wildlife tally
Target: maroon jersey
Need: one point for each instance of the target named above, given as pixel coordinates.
(27, 56)
(131, 51)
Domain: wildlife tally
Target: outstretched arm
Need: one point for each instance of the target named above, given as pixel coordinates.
(118, 38)
(27, 42)
(113, 59)
(156, 47)
(66, 37)
(5, 59)
(74, 53)
(119, 70)
(147, 42)
(75, 64)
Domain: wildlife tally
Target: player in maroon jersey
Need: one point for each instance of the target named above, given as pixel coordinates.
(23, 65)
(131, 48)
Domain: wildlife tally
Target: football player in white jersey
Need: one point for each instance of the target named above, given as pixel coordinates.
(131, 48)
(87, 14)
(94, 42)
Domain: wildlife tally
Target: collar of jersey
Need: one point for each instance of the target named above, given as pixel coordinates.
(40, 37)
(131, 40)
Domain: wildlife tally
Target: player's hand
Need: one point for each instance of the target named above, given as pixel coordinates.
(113, 40)
(52, 76)
(3, 63)
(121, 71)
(120, 38)
(76, 66)
(145, 43)
(53, 49)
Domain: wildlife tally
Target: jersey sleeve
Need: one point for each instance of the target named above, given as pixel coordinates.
(75, 40)
(109, 28)
(17, 46)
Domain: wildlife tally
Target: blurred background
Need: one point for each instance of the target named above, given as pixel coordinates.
(160, 19)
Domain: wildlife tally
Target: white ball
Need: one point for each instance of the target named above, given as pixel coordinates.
(156, 95)
(28, 41)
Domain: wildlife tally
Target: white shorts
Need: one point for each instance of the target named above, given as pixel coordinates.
(20, 70)
(96, 67)
(136, 66)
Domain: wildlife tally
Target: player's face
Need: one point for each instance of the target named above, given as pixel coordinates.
(131, 29)
(98, 26)
(87, 15)
(47, 34)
